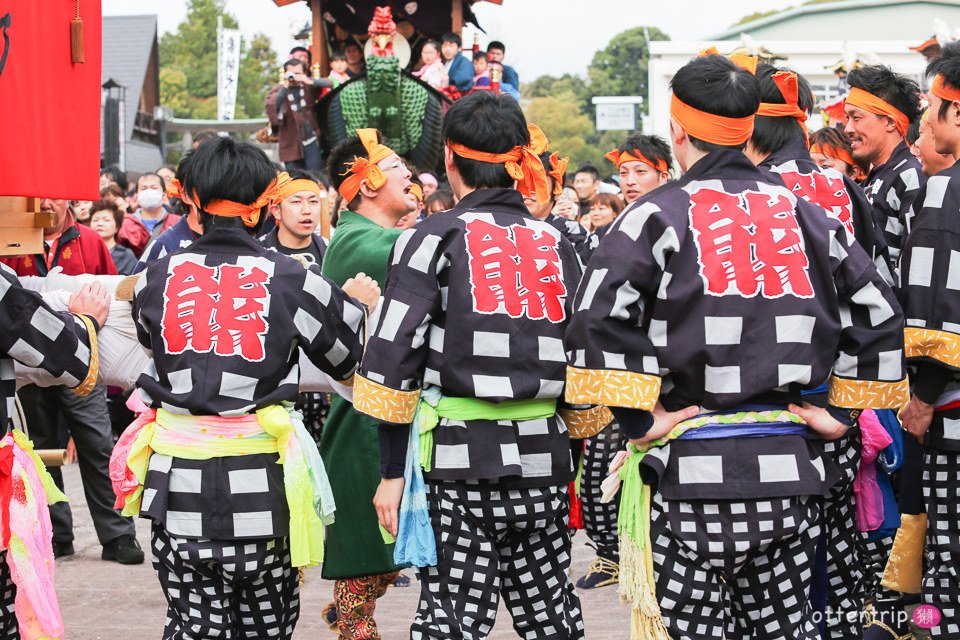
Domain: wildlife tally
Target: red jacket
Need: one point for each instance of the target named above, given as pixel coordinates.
(133, 235)
(79, 250)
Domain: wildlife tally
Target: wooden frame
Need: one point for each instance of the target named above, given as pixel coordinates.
(21, 226)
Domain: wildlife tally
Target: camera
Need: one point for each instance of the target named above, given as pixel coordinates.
(290, 77)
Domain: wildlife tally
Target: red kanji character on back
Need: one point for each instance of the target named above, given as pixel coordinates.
(215, 308)
(826, 191)
(749, 243)
(515, 270)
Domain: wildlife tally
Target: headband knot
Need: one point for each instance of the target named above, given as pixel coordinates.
(522, 163)
(365, 169)
(249, 213)
(174, 189)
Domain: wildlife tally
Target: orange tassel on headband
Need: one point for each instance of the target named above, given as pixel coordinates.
(709, 127)
(788, 84)
(742, 60)
(174, 189)
(877, 106)
(249, 213)
(365, 169)
(558, 170)
(522, 163)
(634, 155)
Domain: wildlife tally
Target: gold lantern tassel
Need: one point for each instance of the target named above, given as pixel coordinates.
(76, 37)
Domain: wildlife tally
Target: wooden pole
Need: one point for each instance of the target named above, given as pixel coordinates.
(320, 52)
(456, 17)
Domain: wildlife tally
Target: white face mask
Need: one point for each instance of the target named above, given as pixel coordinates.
(150, 198)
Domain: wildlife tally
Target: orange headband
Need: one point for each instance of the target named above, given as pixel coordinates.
(942, 90)
(869, 102)
(296, 186)
(709, 127)
(522, 163)
(365, 169)
(788, 85)
(175, 189)
(417, 191)
(558, 169)
(833, 152)
(634, 155)
(250, 213)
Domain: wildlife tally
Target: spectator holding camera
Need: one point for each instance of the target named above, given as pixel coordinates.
(290, 108)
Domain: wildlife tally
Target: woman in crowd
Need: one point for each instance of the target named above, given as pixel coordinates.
(106, 219)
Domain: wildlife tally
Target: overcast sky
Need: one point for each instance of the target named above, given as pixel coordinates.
(542, 36)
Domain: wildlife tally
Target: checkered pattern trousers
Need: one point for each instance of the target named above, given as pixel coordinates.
(845, 575)
(493, 542)
(226, 589)
(941, 580)
(8, 593)
(599, 519)
(736, 570)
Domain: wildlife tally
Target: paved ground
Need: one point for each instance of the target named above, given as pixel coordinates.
(103, 600)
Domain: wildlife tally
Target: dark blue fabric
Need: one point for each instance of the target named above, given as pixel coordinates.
(889, 461)
(461, 73)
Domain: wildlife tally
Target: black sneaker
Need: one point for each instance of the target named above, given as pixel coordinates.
(62, 549)
(125, 550)
(602, 572)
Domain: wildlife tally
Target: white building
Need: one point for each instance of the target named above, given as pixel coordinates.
(813, 38)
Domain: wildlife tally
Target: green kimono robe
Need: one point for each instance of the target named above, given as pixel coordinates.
(349, 445)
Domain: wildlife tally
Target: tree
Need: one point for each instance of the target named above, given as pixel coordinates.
(188, 65)
(569, 130)
(620, 69)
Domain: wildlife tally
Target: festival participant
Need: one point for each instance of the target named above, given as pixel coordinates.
(231, 526)
(375, 184)
(778, 145)
(63, 344)
(643, 163)
(880, 107)
(924, 149)
(297, 214)
(830, 148)
(709, 294)
(471, 331)
(931, 305)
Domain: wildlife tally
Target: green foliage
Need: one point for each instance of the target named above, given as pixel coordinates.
(562, 105)
(188, 65)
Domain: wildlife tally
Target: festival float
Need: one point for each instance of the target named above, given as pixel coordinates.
(407, 111)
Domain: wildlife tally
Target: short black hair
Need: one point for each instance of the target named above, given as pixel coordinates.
(496, 44)
(913, 131)
(771, 133)
(299, 48)
(352, 43)
(117, 175)
(486, 122)
(653, 148)
(716, 85)
(588, 168)
(443, 197)
(479, 55)
(452, 37)
(176, 204)
(293, 62)
(341, 157)
(225, 169)
(948, 66)
(900, 91)
(163, 183)
(338, 55)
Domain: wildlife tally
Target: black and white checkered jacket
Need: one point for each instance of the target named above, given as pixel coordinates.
(723, 289)
(891, 189)
(35, 335)
(224, 320)
(476, 303)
